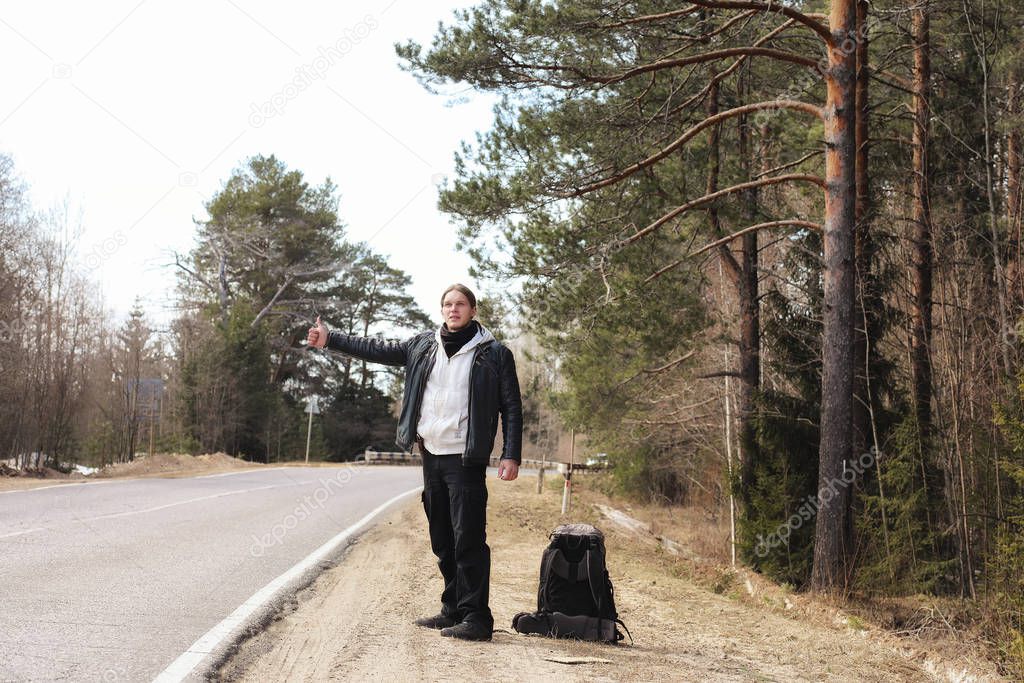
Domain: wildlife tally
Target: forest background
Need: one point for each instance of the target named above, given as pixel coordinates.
(768, 257)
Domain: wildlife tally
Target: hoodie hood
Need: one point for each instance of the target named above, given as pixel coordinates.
(483, 335)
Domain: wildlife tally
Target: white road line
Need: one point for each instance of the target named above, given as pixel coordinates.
(208, 643)
(228, 474)
(22, 533)
(60, 486)
(129, 513)
(117, 481)
(283, 467)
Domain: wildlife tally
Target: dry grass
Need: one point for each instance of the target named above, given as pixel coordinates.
(691, 618)
(943, 635)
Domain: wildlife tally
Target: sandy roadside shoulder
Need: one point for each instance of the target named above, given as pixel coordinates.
(27, 483)
(162, 465)
(355, 622)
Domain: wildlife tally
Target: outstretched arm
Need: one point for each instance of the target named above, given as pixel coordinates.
(387, 352)
(364, 348)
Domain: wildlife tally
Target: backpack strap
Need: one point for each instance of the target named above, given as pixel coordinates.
(590, 561)
(620, 636)
(545, 572)
(595, 574)
(543, 599)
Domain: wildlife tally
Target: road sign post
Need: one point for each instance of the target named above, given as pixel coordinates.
(567, 491)
(540, 472)
(313, 409)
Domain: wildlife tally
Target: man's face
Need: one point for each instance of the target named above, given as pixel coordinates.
(456, 310)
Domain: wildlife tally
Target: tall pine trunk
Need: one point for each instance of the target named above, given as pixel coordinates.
(831, 539)
(744, 277)
(868, 325)
(922, 257)
(1013, 186)
(750, 319)
(921, 237)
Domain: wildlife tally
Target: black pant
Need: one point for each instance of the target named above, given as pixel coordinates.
(455, 500)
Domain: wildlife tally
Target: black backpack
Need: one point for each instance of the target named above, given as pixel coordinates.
(575, 598)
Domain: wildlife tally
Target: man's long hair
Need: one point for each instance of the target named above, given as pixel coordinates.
(458, 287)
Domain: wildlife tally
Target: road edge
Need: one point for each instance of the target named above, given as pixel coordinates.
(215, 646)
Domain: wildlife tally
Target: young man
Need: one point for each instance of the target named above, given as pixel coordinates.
(458, 381)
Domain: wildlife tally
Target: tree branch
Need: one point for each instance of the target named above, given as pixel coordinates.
(669, 365)
(266, 309)
(780, 55)
(689, 135)
(721, 75)
(194, 274)
(644, 19)
(794, 177)
(778, 8)
(722, 373)
(725, 240)
(654, 371)
(760, 226)
(898, 81)
(791, 164)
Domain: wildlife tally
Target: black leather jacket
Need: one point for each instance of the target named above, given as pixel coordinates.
(493, 390)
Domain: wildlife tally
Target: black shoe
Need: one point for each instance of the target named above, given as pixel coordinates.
(436, 621)
(467, 630)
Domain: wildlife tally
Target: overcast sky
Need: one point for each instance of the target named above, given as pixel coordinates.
(138, 112)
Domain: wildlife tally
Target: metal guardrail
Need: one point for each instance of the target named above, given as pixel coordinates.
(391, 458)
(403, 458)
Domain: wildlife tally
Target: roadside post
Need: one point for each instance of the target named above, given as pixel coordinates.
(313, 409)
(567, 491)
(540, 472)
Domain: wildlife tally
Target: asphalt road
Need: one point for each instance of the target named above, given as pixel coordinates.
(115, 581)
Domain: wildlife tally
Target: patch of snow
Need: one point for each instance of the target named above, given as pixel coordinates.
(950, 674)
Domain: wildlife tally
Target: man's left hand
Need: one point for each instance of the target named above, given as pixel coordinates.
(508, 469)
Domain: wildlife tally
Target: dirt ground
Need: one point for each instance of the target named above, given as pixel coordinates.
(157, 465)
(42, 477)
(355, 622)
(175, 464)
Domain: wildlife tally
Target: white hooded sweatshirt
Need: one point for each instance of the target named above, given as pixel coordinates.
(444, 413)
